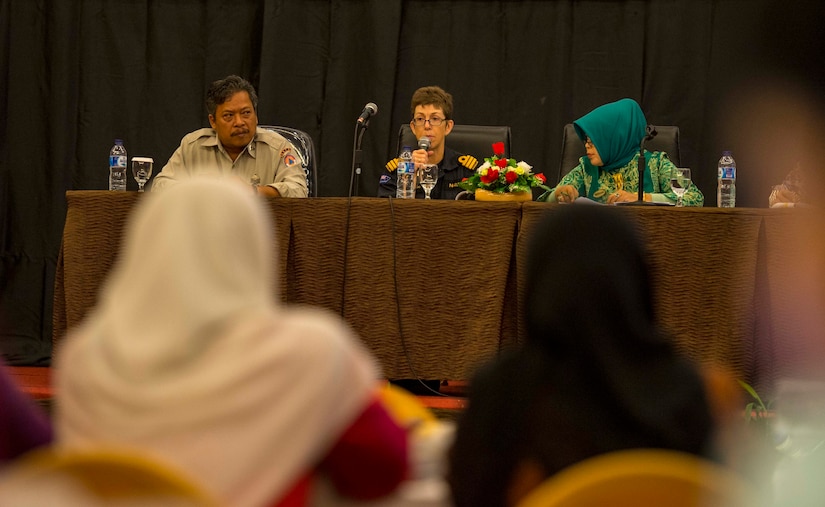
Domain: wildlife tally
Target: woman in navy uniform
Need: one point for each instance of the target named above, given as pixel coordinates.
(432, 112)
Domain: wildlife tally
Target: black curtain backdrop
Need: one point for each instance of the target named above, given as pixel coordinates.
(78, 74)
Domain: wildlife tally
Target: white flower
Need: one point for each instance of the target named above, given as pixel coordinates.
(524, 165)
(483, 167)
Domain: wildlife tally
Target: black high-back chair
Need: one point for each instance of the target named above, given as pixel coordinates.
(475, 140)
(572, 148)
(306, 152)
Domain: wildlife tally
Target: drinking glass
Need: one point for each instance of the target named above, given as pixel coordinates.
(429, 176)
(142, 170)
(679, 183)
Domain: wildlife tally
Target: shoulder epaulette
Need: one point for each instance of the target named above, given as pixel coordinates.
(468, 161)
(198, 135)
(392, 165)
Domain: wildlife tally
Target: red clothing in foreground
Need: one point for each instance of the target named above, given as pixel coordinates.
(368, 461)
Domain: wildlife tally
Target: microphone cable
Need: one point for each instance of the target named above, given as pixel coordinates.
(355, 143)
(398, 306)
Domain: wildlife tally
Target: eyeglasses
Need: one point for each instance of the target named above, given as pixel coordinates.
(588, 143)
(434, 122)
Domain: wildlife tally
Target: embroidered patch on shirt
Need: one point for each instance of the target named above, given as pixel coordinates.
(385, 178)
(290, 160)
(284, 151)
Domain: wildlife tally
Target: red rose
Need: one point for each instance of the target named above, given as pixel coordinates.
(464, 179)
(501, 162)
(541, 177)
(498, 148)
(492, 175)
(510, 176)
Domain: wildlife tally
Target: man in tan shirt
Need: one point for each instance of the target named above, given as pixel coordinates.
(235, 146)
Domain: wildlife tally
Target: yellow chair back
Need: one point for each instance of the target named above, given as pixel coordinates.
(107, 476)
(644, 477)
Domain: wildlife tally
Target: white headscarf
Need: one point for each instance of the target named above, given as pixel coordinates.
(188, 356)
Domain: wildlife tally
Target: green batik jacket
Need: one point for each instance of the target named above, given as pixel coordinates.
(627, 178)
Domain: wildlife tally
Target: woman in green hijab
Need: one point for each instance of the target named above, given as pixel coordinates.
(609, 173)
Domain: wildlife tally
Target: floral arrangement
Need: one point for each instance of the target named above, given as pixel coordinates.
(502, 175)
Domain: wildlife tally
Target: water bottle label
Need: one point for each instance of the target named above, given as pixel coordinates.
(727, 173)
(117, 161)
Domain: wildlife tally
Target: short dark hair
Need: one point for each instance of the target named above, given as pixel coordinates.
(221, 90)
(435, 96)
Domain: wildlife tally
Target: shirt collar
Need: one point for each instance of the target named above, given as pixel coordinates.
(250, 148)
(450, 160)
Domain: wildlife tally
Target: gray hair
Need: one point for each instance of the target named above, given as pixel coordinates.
(221, 90)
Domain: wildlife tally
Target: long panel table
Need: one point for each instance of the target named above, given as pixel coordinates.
(721, 286)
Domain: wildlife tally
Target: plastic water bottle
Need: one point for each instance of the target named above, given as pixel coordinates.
(117, 166)
(726, 189)
(406, 173)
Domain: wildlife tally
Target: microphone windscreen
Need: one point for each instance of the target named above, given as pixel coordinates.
(372, 107)
(424, 143)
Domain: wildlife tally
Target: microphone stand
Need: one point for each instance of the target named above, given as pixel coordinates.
(640, 201)
(360, 128)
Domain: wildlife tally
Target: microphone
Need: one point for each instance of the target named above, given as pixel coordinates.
(651, 133)
(360, 127)
(424, 143)
(369, 110)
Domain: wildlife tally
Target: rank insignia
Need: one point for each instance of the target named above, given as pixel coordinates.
(468, 161)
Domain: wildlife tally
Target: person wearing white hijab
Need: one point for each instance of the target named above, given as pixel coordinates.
(189, 357)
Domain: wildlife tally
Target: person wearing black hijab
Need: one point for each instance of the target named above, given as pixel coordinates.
(596, 373)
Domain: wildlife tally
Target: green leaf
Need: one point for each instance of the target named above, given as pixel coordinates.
(752, 392)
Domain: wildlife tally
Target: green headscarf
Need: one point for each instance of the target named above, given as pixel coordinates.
(616, 129)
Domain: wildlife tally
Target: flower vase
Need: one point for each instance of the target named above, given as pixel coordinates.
(486, 195)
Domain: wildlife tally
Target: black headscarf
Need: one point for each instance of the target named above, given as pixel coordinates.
(596, 374)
